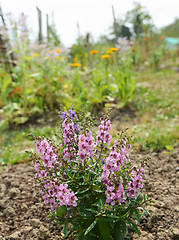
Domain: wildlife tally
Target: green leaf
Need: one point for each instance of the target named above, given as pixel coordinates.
(137, 215)
(82, 192)
(20, 120)
(104, 230)
(90, 210)
(120, 230)
(169, 147)
(134, 226)
(144, 211)
(35, 75)
(35, 110)
(131, 212)
(123, 223)
(66, 231)
(3, 125)
(90, 227)
(110, 218)
(61, 211)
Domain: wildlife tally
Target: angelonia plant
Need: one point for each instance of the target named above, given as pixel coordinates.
(89, 181)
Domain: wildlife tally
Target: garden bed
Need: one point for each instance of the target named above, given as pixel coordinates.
(23, 214)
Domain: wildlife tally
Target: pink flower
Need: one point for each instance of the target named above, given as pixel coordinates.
(86, 146)
(103, 134)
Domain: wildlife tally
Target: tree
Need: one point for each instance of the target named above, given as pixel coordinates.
(53, 36)
(121, 29)
(140, 20)
(172, 30)
(125, 32)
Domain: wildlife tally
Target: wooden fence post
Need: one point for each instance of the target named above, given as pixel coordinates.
(48, 28)
(40, 37)
(115, 25)
(8, 59)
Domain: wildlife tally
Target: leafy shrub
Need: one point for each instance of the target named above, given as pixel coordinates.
(89, 182)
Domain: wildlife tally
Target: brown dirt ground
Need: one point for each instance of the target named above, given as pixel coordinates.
(23, 214)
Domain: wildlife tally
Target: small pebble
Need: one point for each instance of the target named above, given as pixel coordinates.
(175, 234)
(14, 236)
(35, 222)
(2, 204)
(9, 212)
(13, 192)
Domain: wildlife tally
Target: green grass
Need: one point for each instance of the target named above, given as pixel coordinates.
(14, 143)
(155, 128)
(158, 110)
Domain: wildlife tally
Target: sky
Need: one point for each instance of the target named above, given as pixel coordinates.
(94, 16)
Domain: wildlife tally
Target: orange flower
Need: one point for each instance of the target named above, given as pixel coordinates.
(106, 56)
(114, 49)
(3, 75)
(15, 90)
(147, 38)
(133, 50)
(19, 88)
(76, 64)
(57, 50)
(162, 38)
(60, 78)
(94, 52)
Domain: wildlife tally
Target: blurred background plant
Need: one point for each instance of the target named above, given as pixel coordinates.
(37, 77)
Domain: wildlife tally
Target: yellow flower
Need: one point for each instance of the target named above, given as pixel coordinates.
(58, 57)
(114, 49)
(57, 50)
(3, 75)
(75, 59)
(47, 58)
(35, 55)
(109, 52)
(76, 64)
(105, 56)
(65, 86)
(94, 52)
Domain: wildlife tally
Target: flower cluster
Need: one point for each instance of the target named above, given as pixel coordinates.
(111, 176)
(69, 133)
(86, 146)
(118, 188)
(50, 158)
(18, 89)
(54, 193)
(72, 116)
(113, 195)
(103, 134)
(71, 129)
(84, 166)
(136, 185)
(65, 197)
(70, 139)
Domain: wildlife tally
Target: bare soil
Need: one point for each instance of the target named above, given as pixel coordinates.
(23, 214)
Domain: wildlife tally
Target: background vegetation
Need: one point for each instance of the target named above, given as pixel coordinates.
(132, 71)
